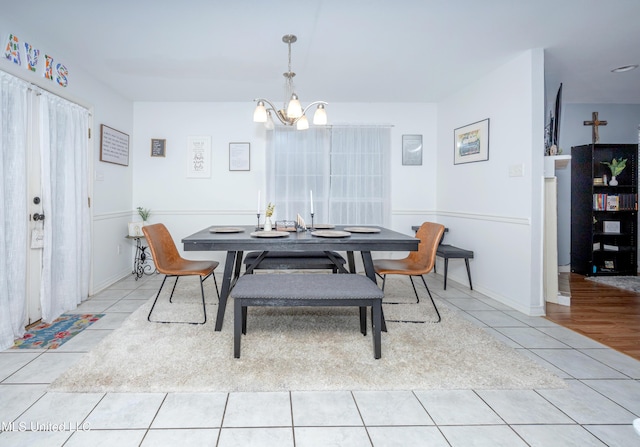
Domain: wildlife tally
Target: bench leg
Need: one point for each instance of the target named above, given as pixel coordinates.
(237, 327)
(466, 261)
(363, 320)
(446, 267)
(376, 308)
(244, 320)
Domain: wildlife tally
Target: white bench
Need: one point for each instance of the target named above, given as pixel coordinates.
(307, 289)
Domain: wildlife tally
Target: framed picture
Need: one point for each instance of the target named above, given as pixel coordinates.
(239, 157)
(158, 148)
(471, 143)
(135, 229)
(412, 150)
(198, 157)
(114, 146)
(611, 226)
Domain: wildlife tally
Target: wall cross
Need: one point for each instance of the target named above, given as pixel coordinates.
(594, 123)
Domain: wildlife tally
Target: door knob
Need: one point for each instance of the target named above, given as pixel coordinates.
(37, 216)
(36, 200)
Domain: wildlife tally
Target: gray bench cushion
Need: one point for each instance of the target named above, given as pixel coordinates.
(297, 286)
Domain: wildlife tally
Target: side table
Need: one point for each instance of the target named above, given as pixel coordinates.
(141, 258)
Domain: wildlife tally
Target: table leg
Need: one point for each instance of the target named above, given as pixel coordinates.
(446, 267)
(226, 288)
(352, 262)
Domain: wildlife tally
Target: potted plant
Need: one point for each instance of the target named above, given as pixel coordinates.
(144, 213)
(268, 225)
(616, 166)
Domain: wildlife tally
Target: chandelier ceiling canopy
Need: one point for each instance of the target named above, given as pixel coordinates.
(292, 111)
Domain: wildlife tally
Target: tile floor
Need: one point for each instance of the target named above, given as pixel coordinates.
(597, 408)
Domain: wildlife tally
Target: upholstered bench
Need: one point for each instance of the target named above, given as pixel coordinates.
(450, 252)
(297, 260)
(307, 289)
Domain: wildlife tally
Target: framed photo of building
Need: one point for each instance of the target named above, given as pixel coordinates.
(471, 143)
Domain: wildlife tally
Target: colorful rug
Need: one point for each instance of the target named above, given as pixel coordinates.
(53, 335)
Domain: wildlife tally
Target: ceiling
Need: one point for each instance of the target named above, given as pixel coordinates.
(347, 51)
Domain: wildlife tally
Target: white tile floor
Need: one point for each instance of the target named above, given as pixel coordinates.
(597, 408)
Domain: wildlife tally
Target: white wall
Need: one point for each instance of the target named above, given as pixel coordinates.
(111, 199)
(186, 205)
(486, 210)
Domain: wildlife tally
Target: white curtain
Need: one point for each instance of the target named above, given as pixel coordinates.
(360, 175)
(298, 162)
(64, 151)
(346, 167)
(14, 213)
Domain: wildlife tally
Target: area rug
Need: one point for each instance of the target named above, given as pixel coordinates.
(631, 283)
(53, 335)
(300, 349)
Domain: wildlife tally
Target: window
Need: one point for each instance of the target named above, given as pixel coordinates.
(346, 167)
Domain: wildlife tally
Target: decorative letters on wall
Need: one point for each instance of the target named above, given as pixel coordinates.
(52, 71)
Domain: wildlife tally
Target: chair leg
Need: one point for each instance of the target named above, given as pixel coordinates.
(432, 301)
(156, 300)
(204, 308)
(414, 289)
(174, 288)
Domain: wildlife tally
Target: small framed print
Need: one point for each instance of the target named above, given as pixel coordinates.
(412, 150)
(135, 229)
(471, 143)
(158, 148)
(611, 226)
(239, 157)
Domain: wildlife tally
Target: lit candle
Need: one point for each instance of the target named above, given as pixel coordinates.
(258, 202)
(311, 196)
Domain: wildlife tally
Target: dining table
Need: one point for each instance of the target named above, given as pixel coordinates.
(235, 240)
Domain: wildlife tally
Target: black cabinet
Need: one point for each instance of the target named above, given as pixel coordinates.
(604, 221)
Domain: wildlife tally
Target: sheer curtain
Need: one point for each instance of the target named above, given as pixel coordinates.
(360, 175)
(13, 208)
(298, 162)
(346, 167)
(64, 151)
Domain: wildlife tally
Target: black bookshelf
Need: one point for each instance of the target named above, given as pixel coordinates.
(604, 218)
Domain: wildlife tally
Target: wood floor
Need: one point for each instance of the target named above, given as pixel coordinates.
(606, 314)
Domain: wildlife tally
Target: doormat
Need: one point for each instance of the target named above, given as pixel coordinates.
(53, 335)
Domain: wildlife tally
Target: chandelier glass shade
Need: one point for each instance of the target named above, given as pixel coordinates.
(292, 113)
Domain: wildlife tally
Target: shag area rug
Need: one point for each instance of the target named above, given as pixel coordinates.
(631, 283)
(299, 349)
(53, 335)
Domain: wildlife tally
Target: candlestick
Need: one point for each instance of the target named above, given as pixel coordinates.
(258, 203)
(311, 196)
(312, 222)
(258, 225)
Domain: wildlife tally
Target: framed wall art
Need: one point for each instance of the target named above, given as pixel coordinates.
(471, 142)
(114, 146)
(239, 157)
(412, 150)
(198, 157)
(158, 147)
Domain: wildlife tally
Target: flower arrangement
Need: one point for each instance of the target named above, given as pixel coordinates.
(144, 213)
(269, 211)
(616, 166)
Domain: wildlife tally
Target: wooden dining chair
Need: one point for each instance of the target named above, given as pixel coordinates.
(169, 262)
(417, 263)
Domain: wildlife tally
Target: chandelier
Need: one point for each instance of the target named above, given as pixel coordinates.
(292, 112)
